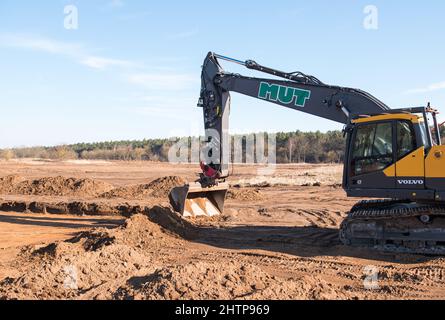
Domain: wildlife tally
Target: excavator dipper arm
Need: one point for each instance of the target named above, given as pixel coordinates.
(295, 90)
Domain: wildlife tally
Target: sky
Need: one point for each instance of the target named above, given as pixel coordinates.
(130, 69)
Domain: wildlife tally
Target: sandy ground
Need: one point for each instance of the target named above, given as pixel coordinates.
(278, 239)
(18, 230)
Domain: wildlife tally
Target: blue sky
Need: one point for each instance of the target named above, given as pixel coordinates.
(132, 68)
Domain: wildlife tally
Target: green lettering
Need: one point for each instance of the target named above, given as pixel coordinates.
(301, 97)
(283, 94)
(268, 91)
(286, 95)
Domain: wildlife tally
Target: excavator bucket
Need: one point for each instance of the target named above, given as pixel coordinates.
(193, 200)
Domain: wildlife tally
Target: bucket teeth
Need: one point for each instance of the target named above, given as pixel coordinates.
(193, 200)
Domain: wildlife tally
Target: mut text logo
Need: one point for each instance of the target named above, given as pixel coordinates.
(283, 94)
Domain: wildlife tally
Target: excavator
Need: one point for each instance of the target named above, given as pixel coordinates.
(394, 157)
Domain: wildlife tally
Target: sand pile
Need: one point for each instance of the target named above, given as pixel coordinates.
(8, 183)
(140, 231)
(245, 194)
(76, 207)
(227, 280)
(53, 186)
(60, 186)
(87, 188)
(159, 188)
(162, 187)
(91, 263)
(142, 260)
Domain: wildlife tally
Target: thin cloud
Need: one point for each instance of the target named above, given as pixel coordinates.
(116, 3)
(430, 88)
(40, 44)
(165, 112)
(163, 99)
(170, 102)
(161, 81)
(74, 51)
(134, 16)
(168, 106)
(103, 63)
(182, 35)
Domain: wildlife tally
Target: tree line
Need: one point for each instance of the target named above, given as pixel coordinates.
(291, 147)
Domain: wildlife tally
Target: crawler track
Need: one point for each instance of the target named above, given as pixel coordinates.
(396, 226)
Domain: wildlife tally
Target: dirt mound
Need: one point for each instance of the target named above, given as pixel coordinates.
(87, 188)
(8, 183)
(93, 264)
(53, 186)
(60, 186)
(162, 187)
(245, 194)
(225, 281)
(131, 192)
(114, 264)
(137, 231)
(89, 208)
(159, 188)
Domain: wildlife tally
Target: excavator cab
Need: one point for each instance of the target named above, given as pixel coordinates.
(396, 155)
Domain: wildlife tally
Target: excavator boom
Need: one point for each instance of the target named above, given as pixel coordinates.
(294, 90)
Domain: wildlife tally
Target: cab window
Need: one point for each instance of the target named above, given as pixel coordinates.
(406, 139)
(425, 135)
(373, 148)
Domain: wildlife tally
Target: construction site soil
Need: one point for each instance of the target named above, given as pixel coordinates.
(98, 230)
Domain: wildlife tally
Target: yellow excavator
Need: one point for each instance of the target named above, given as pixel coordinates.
(392, 155)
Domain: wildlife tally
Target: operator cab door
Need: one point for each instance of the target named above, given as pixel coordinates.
(410, 165)
(372, 153)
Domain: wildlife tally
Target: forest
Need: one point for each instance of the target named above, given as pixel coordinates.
(291, 147)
